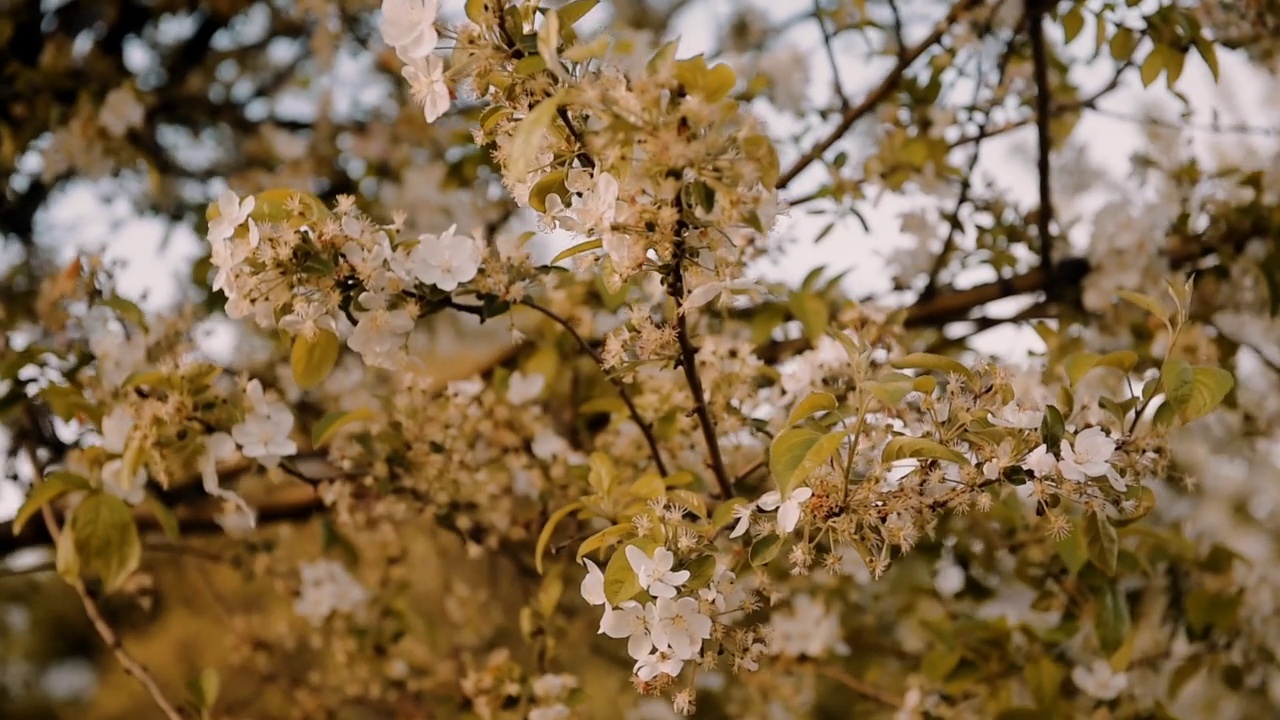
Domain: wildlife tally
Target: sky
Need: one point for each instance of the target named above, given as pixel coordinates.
(156, 258)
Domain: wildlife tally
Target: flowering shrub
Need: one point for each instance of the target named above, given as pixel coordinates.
(769, 498)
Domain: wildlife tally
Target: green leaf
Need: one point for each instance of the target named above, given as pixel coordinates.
(940, 662)
(1146, 302)
(52, 487)
(1123, 43)
(544, 538)
(902, 448)
(765, 549)
(106, 539)
(930, 361)
(1102, 543)
(723, 514)
(572, 12)
(1078, 365)
(1072, 23)
(1122, 360)
(313, 358)
(691, 500)
(205, 689)
(529, 137)
(329, 425)
(603, 405)
(620, 581)
(787, 452)
(1153, 65)
(603, 475)
(550, 184)
(605, 538)
(817, 455)
(1111, 617)
(1044, 677)
(1209, 54)
(1173, 63)
(1146, 502)
(812, 311)
(577, 250)
(648, 486)
(1203, 391)
(1052, 428)
(812, 405)
(1073, 551)
(701, 572)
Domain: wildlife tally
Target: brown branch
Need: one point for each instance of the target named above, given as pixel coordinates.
(291, 502)
(645, 428)
(890, 83)
(689, 364)
(108, 634)
(863, 688)
(1044, 102)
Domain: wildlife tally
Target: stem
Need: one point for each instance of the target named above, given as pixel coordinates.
(1044, 103)
(860, 687)
(645, 428)
(105, 631)
(890, 83)
(689, 363)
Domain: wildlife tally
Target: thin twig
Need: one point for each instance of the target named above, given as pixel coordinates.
(645, 428)
(861, 687)
(831, 55)
(1044, 103)
(890, 82)
(105, 631)
(966, 185)
(689, 363)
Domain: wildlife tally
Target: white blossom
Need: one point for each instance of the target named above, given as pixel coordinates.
(1015, 415)
(264, 432)
(629, 620)
(654, 664)
(327, 588)
(1099, 681)
(559, 711)
(654, 573)
(679, 626)
(1089, 456)
(221, 447)
(522, 388)
(592, 587)
(807, 629)
(116, 426)
(428, 85)
(232, 213)
(445, 260)
(1040, 461)
(743, 514)
(409, 27)
(788, 508)
(948, 578)
(129, 489)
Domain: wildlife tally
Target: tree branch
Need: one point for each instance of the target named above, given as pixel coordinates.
(108, 634)
(1036, 10)
(689, 363)
(890, 83)
(645, 428)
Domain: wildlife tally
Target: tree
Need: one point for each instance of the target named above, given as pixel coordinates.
(451, 464)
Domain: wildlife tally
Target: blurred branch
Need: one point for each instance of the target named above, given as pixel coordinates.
(105, 631)
(645, 428)
(890, 83)
(1036, 10)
